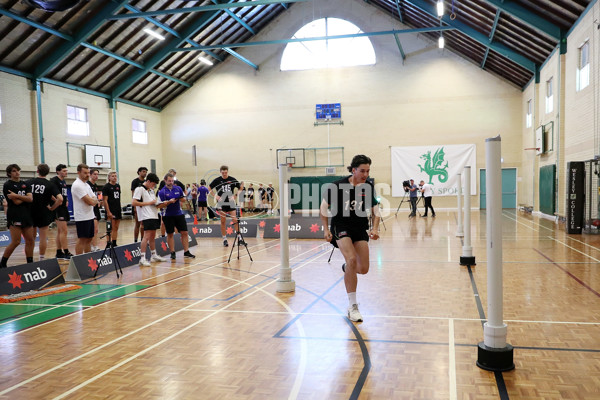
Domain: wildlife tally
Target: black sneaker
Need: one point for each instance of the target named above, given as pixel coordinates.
(344, 267)
(225, 243)
(187, 254)
(68, 254)
(173, 257)
(60, 255)
(2, 265)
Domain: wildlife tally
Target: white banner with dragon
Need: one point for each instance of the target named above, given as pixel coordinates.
(436, 165)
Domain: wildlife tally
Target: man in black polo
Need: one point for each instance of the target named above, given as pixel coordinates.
(61, 214)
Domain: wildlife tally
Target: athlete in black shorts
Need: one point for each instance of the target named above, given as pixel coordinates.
(46, 198)
(138, 229)
(111, 196)
(18, 214)
(61, 214)
(94, 174)
(270, 191)
(224, 187)
(349, 199)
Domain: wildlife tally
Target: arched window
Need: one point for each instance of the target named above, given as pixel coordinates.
(327, 53)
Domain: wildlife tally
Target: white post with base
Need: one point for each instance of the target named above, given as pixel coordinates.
(494, 354)
(467, 257)
(459, 230)
(284, 283)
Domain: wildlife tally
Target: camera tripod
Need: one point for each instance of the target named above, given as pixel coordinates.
(239, 238)
(111, 251)
(406, 199)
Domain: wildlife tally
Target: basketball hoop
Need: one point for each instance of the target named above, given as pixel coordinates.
(290, 165)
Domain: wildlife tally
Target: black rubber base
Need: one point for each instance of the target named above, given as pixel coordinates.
(467, 261)
(492, 359)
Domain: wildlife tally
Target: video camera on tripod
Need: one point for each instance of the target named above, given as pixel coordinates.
(406, 185)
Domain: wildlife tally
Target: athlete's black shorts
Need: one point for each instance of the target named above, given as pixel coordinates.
(116, 212)
(62, 214)
(202, 203)
(342, 231)
(151, 224)
(20, 218)
(85, 229)
(41, 217)
(97, 213)
(177, 221)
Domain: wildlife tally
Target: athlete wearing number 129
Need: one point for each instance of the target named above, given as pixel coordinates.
(349, 199)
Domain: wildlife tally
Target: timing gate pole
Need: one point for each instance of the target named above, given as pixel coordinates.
(459, 230)
(467, 257)
(494, 354)
(285, 282)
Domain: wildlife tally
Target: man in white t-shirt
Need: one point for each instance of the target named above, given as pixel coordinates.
(427, 191)
(84, 200)
(147, 205)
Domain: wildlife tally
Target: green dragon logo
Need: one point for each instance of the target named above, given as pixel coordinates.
(434, 166)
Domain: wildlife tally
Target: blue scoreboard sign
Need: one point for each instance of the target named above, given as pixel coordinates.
(329, 111)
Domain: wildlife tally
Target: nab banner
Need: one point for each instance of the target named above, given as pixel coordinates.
(298, 228)
(162, 247)
(198, 231)
(5, 238)
(32, 276)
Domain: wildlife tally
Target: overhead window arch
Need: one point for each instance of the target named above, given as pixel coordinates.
(329, 53)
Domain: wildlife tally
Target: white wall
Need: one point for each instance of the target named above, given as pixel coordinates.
(240, 117)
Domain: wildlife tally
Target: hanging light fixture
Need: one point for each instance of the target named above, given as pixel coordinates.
(205, 61)
(441, 41)
(440, 8)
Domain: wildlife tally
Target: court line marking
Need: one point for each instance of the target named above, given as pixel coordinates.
(117, 287)
(452, 360)
(124, 336)
(574, 249)
(43, 305)
(155, 345)
(509, 216)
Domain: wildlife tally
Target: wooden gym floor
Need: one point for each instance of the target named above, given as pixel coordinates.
(204, 329)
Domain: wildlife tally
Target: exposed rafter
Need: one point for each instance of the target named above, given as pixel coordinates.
(213, 7)
(159, 56)
(88, 28)
(533, 20)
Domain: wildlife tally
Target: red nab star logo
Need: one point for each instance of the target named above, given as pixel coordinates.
(195, 230)
(92, 264)
(163, 245)
(276, 228)
(229, 231)
(262, 224)
(15, 280)
(128, 255)
(314, 228)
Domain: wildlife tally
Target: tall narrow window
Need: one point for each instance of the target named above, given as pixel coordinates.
(77, 121)
(327, 53)
(138, 129)
(583, 69)
(528, 120)
(549, 97)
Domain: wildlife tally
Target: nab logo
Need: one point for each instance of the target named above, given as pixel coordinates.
(294, 228)
(205, 230)
(4, 238)
(35, 275)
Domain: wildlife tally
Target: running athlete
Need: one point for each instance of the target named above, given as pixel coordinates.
(94, 174)
(224, 186)
(111, 197)
(138, 229)
(349, 199)
(18, 215)
(46, 198)
(61, 214)
(173, 217)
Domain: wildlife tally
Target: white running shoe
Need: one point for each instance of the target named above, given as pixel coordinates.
(144, 262)
(156, 257)
(354, 314)
(95, 248)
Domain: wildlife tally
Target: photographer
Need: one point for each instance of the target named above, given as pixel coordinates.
(427, 191)
(414, 194)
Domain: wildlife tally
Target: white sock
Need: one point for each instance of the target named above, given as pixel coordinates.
(42, 257)
(352, 298)
(224, 237)
(153, 252)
